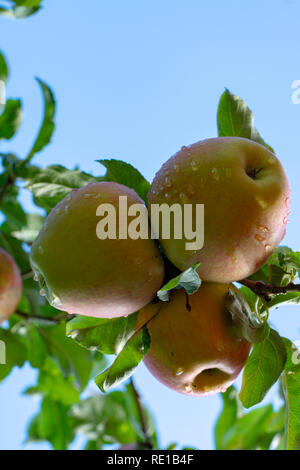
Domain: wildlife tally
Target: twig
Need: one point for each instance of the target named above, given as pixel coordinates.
(147, 443)
(9, 181)
(26, 316)
(264, 290)
(27, 274)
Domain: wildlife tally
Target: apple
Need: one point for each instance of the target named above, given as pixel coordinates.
(195, 348)
(83, 274)
(245, 194)
(10, 285)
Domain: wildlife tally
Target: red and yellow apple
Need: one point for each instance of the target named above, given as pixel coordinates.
(10, 285)
(246, 204)
(80, 273)
(195, 348)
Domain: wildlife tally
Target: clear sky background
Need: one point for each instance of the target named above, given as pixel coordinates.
(136, 80)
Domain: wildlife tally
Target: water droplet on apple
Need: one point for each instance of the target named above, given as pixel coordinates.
(55, 301)
(271, 160)
(168, 183)
(42, 292)
(263, 228)
(188, 388)
(285, 220)
(190, 189)
(287, 201)
(259, 238)
(215, 174)
(263, 204)
(267, 247)
(40, 250)
(35, 277)
(179, 371)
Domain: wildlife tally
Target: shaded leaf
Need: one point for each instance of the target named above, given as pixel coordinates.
(246, 324)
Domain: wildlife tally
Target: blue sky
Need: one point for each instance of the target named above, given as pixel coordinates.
(136, 80)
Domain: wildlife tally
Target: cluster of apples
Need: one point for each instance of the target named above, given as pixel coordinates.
(195, 348)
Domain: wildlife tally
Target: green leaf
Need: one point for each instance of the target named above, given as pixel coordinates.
(51, 184)
(30, 229)
(280, 269)
(292, 298)
(72, 358)
(52, 424)
(103, 334)
(291, 386)
(15, 216)
(21, 9)
(48, 125)
(188, 280)
(15, 248)
(52, 383)
(134, 414)
(244, 434)
(28, 3)
(37, 350)
(3, 68)
(12, 352)
(246, 324)
(104, 419)
(262, 370)
(126, 362)
(126, 174)
(227, 416)
(10, 119)
(234, 118)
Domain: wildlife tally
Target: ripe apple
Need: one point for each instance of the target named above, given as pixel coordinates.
(10, 285)
(246, 204)
(195, 348)
(80, 273)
